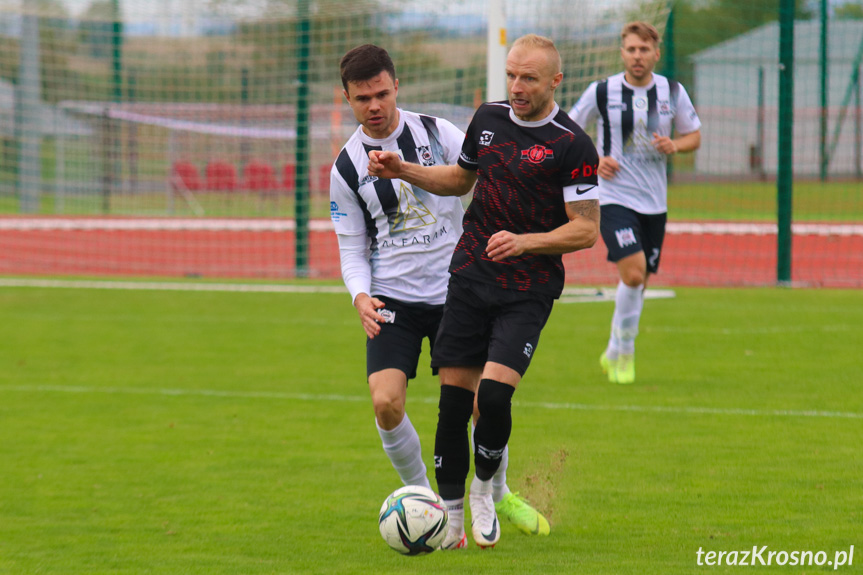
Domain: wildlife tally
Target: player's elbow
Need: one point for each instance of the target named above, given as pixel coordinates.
(695, 140)
(592, 237)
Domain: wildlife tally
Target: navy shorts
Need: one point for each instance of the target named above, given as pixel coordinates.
(399, 344)
(626, 232)
(482, 322)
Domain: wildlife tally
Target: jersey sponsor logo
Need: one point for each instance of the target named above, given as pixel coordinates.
(537, 153)
(416, 240)
(528, 350)
(640, 103)
(335, 214)
(625, 237)
(438, 461)
(412, 212)
(585, 171)
(425, 155)
(485, 138)
(388, 315)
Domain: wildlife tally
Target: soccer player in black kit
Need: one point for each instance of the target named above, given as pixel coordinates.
(535, 199)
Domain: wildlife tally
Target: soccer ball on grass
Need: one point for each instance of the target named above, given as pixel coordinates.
(413, 520)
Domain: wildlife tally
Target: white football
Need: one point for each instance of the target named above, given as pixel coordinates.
(413, 520)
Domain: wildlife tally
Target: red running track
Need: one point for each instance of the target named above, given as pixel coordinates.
(692, 257)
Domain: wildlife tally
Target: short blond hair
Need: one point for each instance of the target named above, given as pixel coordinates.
(643, 30)
(547, 44)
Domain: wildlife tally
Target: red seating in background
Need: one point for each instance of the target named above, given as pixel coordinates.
(318, 182)
(221, 176)
(289, 177)
(323, 179)
(259, 176)
(185, 174)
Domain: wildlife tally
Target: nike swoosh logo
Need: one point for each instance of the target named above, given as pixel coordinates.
(493, 533)
(579, 190)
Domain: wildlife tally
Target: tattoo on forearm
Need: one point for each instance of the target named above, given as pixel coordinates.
(585, 208)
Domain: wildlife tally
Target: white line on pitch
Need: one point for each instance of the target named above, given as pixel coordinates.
(686, 410)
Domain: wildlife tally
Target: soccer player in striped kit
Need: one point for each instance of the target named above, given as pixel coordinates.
(634, 111)
(395, 244)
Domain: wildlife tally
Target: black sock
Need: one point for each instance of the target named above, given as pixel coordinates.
(494, 426)
(452, 449)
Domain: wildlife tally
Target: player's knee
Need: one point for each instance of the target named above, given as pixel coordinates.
(389, 409)
(455, 407)
(633, 277)
(494, 398)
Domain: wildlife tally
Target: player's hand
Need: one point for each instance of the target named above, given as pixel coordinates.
(384, 164)
(504, 244)
(368, 307)
(664, 144)
(608, 167)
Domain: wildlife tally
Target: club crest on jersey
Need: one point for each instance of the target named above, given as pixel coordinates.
(368, 179)
(537, 153)
(664, 107)
(485, 138)
(425, 156)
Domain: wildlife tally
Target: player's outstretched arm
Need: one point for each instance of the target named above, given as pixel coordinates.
(450, 180)
(581, 232)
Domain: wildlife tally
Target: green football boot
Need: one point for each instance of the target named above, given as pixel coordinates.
(519, 512)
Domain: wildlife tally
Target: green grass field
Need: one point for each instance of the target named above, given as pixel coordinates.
(231, 433)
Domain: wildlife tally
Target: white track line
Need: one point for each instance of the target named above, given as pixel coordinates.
(169, 286)
(50, 223)
(570, 294)
(689, 410)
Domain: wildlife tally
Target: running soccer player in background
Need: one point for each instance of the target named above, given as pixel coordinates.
(634, 111)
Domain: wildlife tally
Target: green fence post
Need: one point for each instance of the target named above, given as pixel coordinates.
(784, 174)
(823, 64)
(303, 155)
(670, 71)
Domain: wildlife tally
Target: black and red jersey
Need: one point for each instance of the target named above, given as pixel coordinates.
(522, 170)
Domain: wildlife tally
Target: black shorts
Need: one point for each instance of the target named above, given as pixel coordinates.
(399, 344)
(482, 322)
(626, 232)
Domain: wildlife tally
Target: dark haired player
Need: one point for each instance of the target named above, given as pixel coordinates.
(395, 244)
(535, 199)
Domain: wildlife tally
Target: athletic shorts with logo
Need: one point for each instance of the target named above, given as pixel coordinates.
(626, 232)
(399, 344)
(482, 322)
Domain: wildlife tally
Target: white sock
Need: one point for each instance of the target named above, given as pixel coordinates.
(402, 446)
(455, 511)
(628, 303)
(480, 486)
(498, 481)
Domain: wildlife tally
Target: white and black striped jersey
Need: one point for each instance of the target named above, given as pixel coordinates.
(626, 118)
(407, 234)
